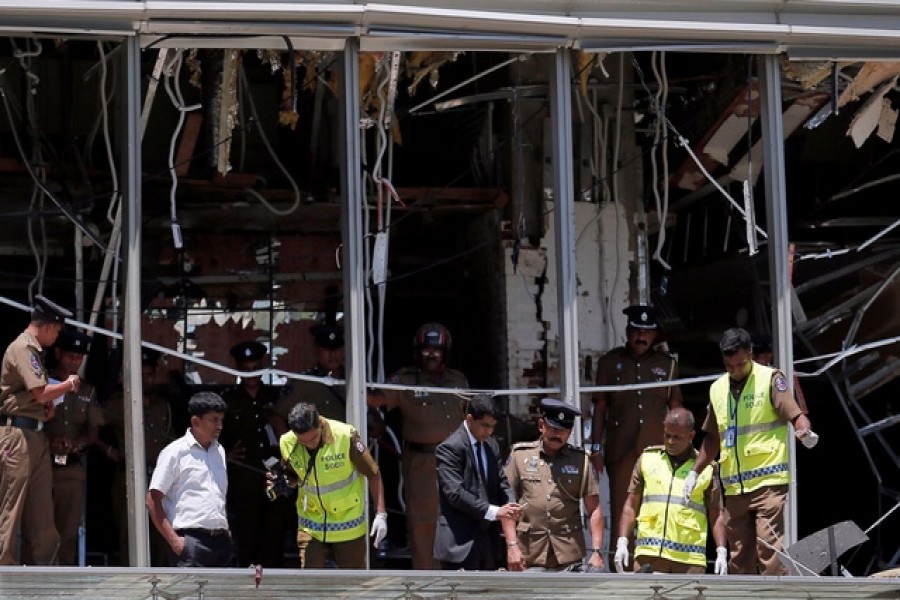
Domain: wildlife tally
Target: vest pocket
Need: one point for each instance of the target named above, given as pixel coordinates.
(342, 504)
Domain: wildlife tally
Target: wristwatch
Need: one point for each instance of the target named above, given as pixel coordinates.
(596, 448)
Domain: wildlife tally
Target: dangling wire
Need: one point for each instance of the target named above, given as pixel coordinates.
(661, 146)
(173, 72)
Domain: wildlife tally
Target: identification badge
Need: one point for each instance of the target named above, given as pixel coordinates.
(730, 436)
(60, 459)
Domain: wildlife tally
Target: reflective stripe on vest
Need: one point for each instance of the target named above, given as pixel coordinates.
(331, 494)
(668, 525)
(759, 457)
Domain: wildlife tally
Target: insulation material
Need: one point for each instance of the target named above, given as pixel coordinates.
(869, 77)
(868, 117)
(810, 73)
(887, 124)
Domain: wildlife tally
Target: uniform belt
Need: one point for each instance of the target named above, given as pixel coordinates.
(201, 531)
(421, 448)
(21, 422)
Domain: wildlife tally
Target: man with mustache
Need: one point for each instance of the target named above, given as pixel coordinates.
(631, 420)
(550, 478)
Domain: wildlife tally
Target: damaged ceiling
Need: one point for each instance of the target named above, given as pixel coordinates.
(241, 147)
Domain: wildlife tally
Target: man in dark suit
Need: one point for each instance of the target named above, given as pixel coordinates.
(474, 493)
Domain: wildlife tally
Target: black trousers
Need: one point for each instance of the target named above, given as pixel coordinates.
(204, 548)
(482, 555)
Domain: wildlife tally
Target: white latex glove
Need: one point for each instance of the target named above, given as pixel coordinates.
(721, 566)
(810, 438)
(379, 528)
(621, 558)
(689, 483)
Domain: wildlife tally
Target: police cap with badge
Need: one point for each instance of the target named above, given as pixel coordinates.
(71, 340)
(47, 311)
(328, 335)
(557, 413)
(251, 350)
(641, 316)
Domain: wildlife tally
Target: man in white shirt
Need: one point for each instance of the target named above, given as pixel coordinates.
(186, 499)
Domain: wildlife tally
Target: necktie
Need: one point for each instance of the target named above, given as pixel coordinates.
(480, 458)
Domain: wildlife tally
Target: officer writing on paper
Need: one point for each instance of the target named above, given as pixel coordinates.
(552, 478)
(671, 529)
(26, 402)
(746, 423)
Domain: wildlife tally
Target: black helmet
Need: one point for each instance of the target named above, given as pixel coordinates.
(432, 334)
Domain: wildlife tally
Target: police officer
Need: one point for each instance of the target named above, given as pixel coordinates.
(72, 430)
(158, 432)
(326, 460)
(671, 532)
(551, 478)
(329, 400)
(26, 402)
(631, 420)
(746, 424)
(249, 438)
(428, 418)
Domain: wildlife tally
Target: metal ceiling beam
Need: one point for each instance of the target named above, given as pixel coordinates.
(825, 29)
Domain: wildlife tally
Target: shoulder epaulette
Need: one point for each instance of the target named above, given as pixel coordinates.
(523, 445)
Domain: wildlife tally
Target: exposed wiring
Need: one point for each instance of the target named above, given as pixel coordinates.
(107, 141)
(683, 142)
(68, 212)
(272, 154)
(171, 72)
(661, 143)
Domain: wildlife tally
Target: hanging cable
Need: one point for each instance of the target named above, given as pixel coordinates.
(683, 142)
(107, 142)
(38, 179)
(173, 71)
(660, 146)
(272, 154)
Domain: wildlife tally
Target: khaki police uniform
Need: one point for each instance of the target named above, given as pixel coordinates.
(258, 524)
(428, 418)
(26, 483)
(76, 416)
(634, 418)
(550, 532)
(157, 435)
(760, 513)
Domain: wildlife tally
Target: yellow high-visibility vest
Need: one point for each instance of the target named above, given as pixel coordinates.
(668, 525)
(331, 492)
(759, 455)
